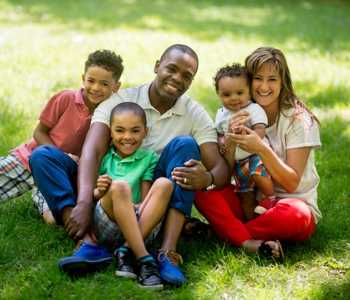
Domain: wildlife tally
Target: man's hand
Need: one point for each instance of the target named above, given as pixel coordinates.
(192, 176)
(79, 221)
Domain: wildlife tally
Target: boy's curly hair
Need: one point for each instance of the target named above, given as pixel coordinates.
(234, 70)
(108, 60)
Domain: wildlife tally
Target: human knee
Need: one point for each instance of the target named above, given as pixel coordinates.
(164, 184)
(120, 189)
(42, 154)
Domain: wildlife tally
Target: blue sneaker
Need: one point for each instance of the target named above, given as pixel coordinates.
(86, 259)
(169, 270)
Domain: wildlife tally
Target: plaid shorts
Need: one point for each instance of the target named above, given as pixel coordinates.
(15, 180)
(108, 232)
(245, 169)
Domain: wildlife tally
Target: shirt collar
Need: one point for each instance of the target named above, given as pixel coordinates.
(79, 98)
(178, 109)
(137, 155)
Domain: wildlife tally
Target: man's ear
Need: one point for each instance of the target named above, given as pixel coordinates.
(83, 77)
(156, 66)
(116, 86)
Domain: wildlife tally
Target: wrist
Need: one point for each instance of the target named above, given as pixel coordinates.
(211, 181)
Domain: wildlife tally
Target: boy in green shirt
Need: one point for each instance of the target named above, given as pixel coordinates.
(129, 206)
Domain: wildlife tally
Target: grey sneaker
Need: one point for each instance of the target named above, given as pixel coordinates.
(149, 275)
(125, 264)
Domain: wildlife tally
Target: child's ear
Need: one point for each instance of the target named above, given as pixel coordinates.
(83, 77)
(156, 66)
(116, 86)
(146, 130)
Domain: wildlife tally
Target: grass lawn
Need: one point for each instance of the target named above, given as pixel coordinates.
(43, 45)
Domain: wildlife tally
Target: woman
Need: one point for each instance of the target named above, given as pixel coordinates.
(293, 133)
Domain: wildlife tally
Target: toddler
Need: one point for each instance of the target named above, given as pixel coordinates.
(232, 87)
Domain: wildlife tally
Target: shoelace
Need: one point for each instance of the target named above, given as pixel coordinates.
(174, 257)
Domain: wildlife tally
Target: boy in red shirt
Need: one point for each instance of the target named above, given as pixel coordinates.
(63, 123)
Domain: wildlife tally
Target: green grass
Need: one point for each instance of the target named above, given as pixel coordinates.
(43, 45)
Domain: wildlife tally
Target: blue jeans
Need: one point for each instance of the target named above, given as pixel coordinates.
(175, 154)
(55, 174)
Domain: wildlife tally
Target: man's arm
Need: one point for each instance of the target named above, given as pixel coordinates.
(215, 163)
(95, 146)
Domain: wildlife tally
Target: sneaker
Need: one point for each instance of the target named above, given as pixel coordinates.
(125, 264)
(86, 259)
(149, 275)
(169, 270)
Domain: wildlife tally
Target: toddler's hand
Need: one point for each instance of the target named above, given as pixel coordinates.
(221, 144)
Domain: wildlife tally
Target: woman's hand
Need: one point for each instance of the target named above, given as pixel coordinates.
(247, 139)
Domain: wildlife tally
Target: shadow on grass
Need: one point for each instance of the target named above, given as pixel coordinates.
(327, 97)
(298, 22)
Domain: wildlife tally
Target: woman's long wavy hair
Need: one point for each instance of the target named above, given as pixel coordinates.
(275, 57)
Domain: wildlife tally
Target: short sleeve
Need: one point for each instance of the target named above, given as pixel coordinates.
(55, 108)
(103, 170)
(303, 132)
(257, 115)
(103, 111)
(153, 160)
(219, 122)
(203, 130)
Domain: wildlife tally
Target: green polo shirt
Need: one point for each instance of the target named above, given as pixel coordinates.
(134, 169)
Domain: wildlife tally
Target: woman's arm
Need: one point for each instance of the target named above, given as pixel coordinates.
(287, 174)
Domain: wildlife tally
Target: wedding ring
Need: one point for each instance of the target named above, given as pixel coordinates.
(185, 180)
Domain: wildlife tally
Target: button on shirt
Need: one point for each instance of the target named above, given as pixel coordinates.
(134, 169)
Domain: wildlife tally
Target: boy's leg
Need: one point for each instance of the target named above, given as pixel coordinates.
(154, 206)
(117, 203)
(15, 179)
(55, 175)
(175, 154)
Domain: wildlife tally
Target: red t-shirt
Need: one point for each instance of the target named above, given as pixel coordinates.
(68, 118)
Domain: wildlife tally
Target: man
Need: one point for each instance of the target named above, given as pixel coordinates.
(177, 125)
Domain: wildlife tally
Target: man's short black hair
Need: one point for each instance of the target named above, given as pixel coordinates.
(181, 47)
(108, 60)
(129, 107)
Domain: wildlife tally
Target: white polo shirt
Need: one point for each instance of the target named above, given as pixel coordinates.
(186, 117)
